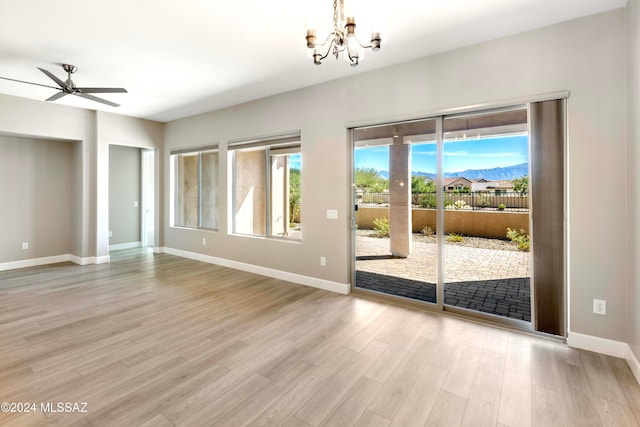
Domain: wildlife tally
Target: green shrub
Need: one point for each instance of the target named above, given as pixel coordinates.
(520, 238)
(502, 207)
(428, 201)
(381, 227)
(455, 238)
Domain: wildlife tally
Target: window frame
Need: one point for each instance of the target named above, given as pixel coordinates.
(278, 143)
(173, 160)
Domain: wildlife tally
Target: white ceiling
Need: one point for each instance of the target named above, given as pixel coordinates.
(180, 58)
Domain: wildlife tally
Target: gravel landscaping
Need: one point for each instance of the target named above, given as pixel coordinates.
(473, 242)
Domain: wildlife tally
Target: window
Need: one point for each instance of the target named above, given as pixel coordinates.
(195, 188)
(266, 186)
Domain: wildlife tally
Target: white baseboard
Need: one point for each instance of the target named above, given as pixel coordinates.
(634, 364)
(82, 261)
(122, 246)
(314, 282)
(598, 345)
(605, 346)
(102, 259)
(34, 262)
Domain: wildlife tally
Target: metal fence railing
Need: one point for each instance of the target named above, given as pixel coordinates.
(475, 200)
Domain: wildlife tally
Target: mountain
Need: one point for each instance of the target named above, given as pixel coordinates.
(507, 173)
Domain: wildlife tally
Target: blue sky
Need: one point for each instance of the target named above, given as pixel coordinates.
(459, 155)
(294, 161)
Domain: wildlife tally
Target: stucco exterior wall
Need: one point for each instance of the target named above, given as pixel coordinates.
(467, 223)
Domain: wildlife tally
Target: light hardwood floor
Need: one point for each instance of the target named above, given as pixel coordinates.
(157, 340)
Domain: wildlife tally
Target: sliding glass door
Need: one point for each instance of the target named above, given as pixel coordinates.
(442, 212)
(395, 199)
(487, 262)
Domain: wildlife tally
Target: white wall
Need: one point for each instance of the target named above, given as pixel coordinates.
(633, 164)
(585, 56)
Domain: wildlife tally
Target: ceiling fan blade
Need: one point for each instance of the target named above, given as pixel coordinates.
(53, 77)
(30, 83)
(56, 96)
(100, 90)
(95, 98)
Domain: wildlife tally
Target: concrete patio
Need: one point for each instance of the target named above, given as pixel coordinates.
(487, 280)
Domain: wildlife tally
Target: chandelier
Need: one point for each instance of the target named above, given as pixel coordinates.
(341, 39)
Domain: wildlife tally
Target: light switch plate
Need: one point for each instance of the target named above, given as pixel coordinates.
(332, 214)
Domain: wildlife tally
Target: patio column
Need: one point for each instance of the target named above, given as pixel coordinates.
(400, 197)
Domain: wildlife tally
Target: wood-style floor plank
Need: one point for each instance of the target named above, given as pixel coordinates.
(158, 340)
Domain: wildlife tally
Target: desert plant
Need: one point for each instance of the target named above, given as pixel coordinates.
(381, 227)
(461, 205)
(428, 201)
(482, 201)
(427, 231)
(455, 238)
(520, 238)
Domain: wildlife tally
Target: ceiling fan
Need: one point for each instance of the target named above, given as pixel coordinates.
(68, 87)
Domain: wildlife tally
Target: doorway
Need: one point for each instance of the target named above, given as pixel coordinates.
(455, 199)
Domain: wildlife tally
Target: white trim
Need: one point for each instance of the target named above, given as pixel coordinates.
(102, 259)
(633, 362)
(121, 246)
(314, 282)
(523, 100)
(598, 345)
(82, 261)
(605, 346)
(34, 262)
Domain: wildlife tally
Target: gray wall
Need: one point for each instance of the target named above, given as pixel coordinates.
(633, 179)
(124, 190)
(38, 197)
(93, 132)
(585, 56)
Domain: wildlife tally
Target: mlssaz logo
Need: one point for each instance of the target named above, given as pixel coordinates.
(65, 407)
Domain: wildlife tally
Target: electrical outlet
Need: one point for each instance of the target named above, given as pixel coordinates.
(323, 261)
(25, 245)
(600, 306)
(110, 233)
(204, 241)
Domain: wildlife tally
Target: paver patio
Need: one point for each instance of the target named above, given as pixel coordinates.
(487, 280)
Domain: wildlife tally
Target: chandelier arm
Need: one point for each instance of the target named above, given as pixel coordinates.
(319, 60)
(328, 50)
(369, 46)
(331, 37)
